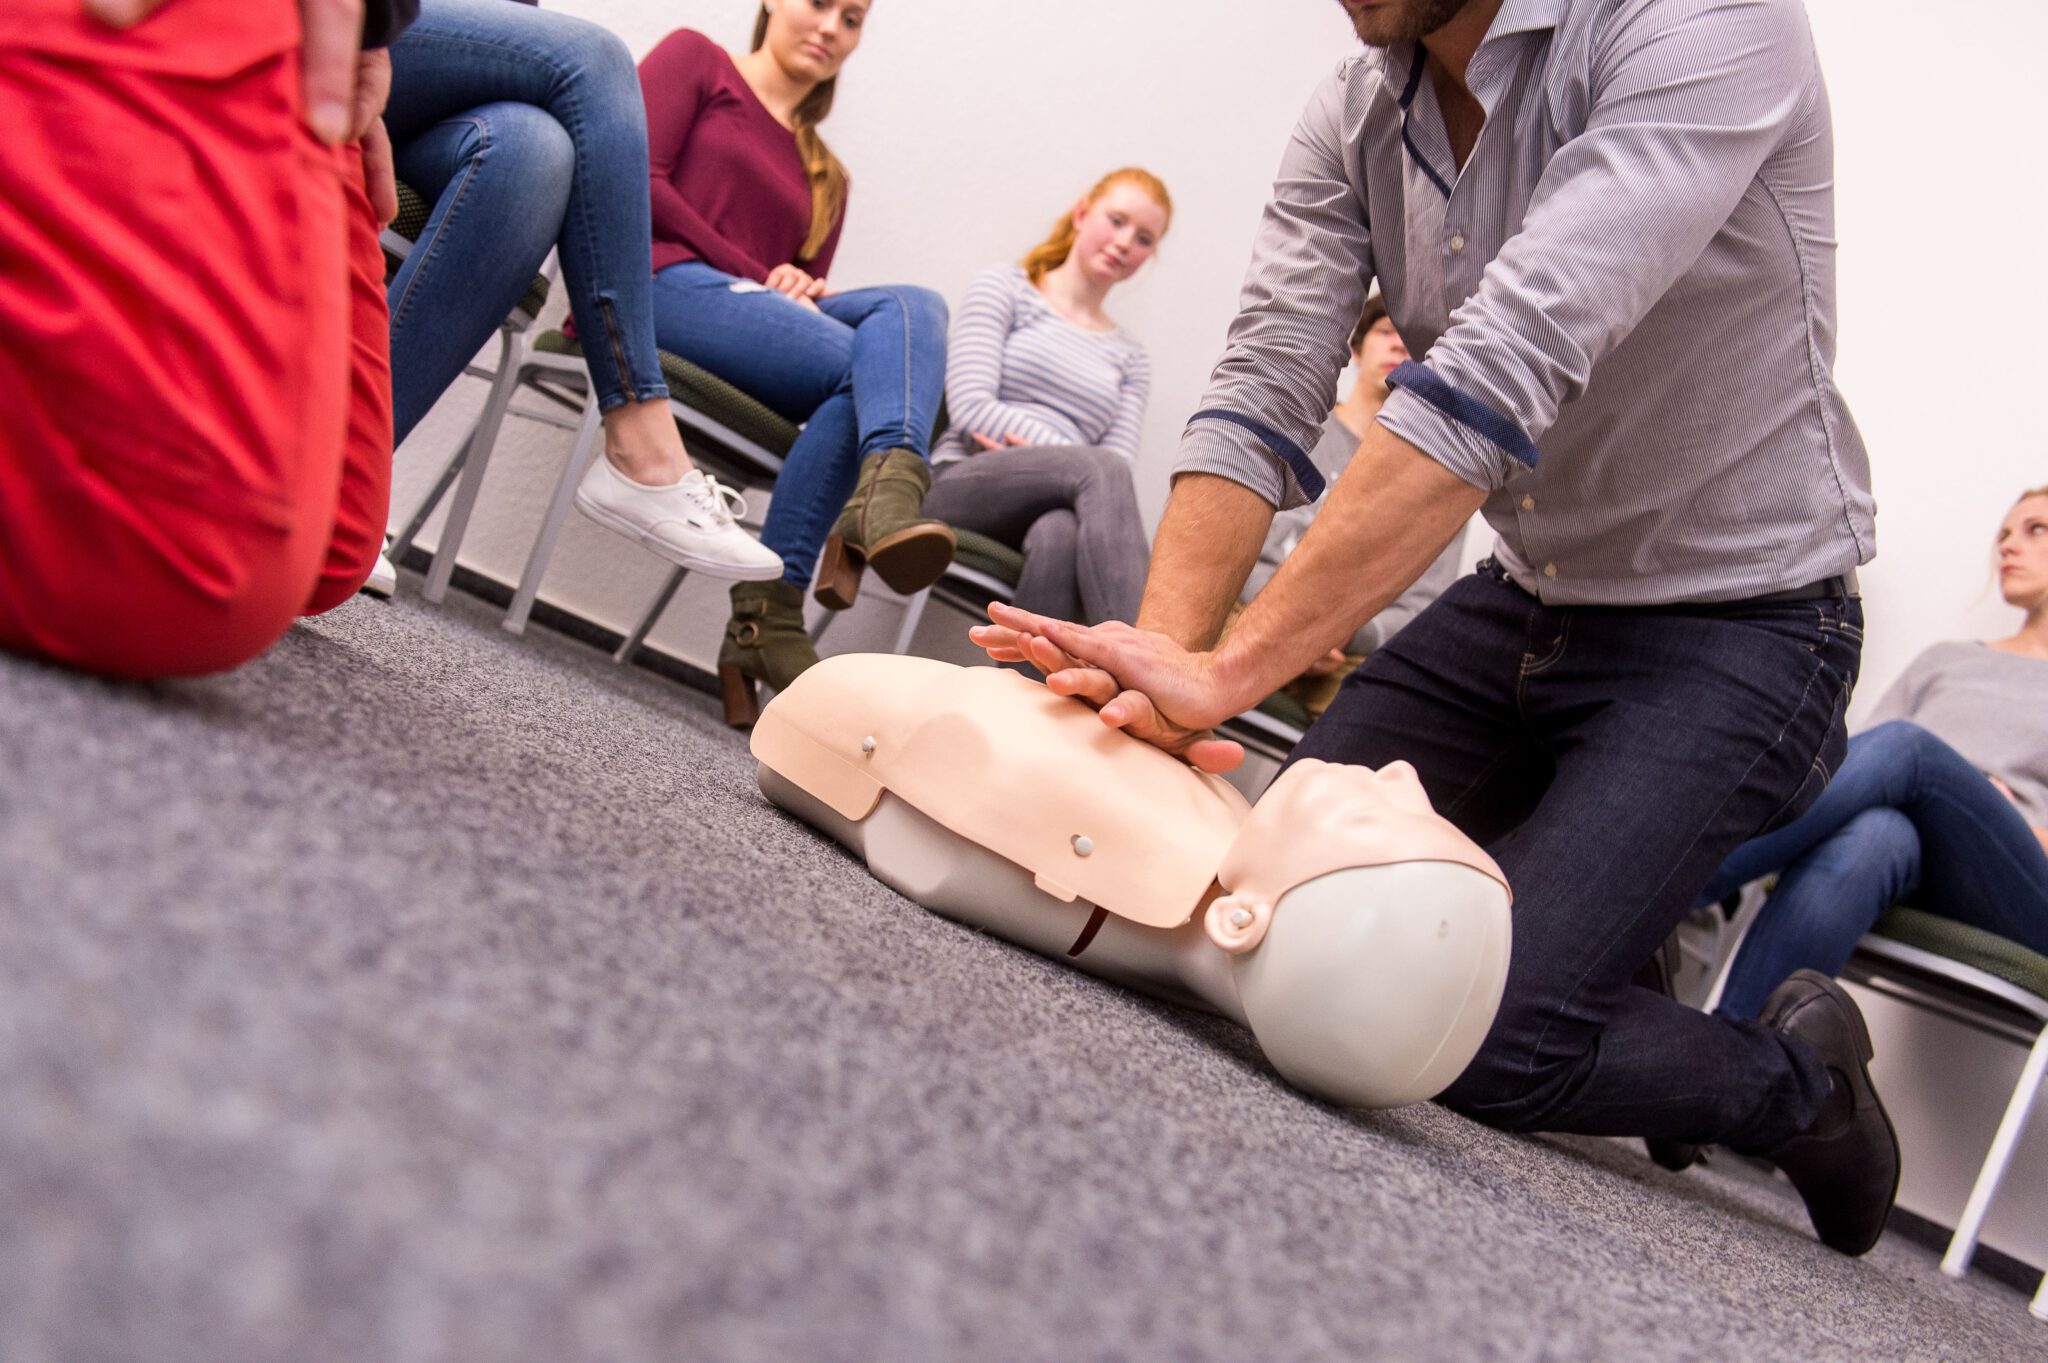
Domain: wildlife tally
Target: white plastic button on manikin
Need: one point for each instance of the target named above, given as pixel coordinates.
(1083, 844)
(1550, 570)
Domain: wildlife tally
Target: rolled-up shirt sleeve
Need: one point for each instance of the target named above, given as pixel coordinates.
(1686, 101)
(1311, 266)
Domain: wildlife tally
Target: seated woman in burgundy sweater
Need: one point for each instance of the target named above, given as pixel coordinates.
(748, 203)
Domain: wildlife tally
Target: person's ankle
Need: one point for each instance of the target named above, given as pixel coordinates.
(646, 470)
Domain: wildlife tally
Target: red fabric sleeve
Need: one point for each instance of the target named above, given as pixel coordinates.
(673, 81)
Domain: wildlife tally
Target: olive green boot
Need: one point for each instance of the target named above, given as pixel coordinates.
(765, 642)
(881, 528)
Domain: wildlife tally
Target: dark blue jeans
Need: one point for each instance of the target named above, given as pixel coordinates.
(1610, 759)
(863, 371)
(1907, 820)
(526, 130)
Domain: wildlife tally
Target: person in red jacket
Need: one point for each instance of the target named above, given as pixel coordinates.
(197, 447)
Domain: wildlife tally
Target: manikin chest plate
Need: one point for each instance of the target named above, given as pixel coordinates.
(1035, 778)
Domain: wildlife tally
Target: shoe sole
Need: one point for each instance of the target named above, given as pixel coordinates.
(913, 559)
(682, 558)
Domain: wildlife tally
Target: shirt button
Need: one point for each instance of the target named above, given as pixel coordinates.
(1457, 241)
(1528, 503)
(1550, 570)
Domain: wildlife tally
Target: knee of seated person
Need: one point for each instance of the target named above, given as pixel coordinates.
(1877, 842)
(1896, 740)
(545, 151)
(921, 304)
(592, 51)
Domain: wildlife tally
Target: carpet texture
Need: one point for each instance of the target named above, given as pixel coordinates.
(420, 993)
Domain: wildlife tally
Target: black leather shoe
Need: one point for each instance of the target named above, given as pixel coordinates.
(1657, 973)
(1846, 1165)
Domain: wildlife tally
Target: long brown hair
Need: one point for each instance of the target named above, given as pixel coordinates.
(824, 170)
(1052, 253)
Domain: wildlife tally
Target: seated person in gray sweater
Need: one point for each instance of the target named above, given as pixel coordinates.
(1376, 349)
(1941, 804)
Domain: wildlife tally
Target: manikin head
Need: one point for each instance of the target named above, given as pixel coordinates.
(2022, 549)
(1369, 937)
(1110, 232)
(1383, 23)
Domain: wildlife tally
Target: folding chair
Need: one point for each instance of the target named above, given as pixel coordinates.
(1991, 983)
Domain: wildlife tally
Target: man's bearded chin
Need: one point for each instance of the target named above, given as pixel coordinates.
(1403, 21)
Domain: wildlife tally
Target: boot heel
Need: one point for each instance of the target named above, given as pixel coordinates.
(839, 570)
(742, 704)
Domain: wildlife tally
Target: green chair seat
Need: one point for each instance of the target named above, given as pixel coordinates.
(1994, 955)
(702, 392)
(985, 555)
(413, 212)
(1286, 709)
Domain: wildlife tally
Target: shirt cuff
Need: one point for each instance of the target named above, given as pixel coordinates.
(1457, 430)
(1244, 451)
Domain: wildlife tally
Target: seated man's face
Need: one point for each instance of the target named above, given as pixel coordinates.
(1380, 353)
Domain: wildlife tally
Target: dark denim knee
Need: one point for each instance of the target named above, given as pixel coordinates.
(1505, 1090)
(1897, 741)
(1879, 847)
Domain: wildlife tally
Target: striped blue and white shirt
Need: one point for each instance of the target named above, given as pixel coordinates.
(1622, 306)
(1016, 367)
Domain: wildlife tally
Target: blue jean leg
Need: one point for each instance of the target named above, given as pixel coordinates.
(1609, 760)
(498, 176)
(464, 54)
(864, 371)
(1977, 860)
(1823, 904)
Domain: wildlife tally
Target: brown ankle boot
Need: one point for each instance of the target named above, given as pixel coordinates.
(764, 642)
(881, 528)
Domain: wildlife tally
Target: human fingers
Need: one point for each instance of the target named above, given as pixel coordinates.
(1014, 439)
(1090, 684)
(1213, 754)
(121, 13)
(373, 91)
(333, 34)
(1026, 622)
(982, 442)
(815, 288)
(1000, 644)
(380, 177)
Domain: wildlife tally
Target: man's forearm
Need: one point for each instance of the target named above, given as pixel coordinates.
(1208, 541)
(1386, 520)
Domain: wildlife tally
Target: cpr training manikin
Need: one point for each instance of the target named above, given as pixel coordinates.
(1360, 937)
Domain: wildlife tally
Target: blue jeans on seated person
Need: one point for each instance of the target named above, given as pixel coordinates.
(1609, 759)
(1907, 820)
(863, 371)
(526, 131)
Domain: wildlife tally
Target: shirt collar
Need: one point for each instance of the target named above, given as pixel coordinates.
(1525, 16)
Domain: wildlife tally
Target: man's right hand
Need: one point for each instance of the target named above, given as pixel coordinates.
(333, 38)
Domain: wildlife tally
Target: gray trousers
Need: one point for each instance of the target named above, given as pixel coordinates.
(1072, 510)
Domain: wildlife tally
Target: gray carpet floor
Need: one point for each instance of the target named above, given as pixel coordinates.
(420, 993)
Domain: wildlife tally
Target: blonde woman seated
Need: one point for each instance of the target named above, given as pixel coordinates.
(1376, 349)
(1046, 397)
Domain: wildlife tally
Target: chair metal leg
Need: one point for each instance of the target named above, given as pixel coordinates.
(402, 545)
(475, 460)
(913, 611)
(625, 651)
(587, 447)
(1957, 1261)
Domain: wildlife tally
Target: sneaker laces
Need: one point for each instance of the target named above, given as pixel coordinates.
(724, 505)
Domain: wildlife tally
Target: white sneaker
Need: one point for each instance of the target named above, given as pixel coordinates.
(692, 523)
(383, 580)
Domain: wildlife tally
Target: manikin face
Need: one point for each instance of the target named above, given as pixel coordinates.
(2023, 554)
(1117, 233)
(1380, 353)
(811, 39)
(1382, 23)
